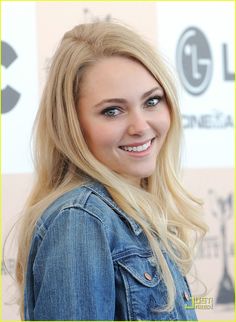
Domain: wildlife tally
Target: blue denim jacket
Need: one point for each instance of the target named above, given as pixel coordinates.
(90, 261)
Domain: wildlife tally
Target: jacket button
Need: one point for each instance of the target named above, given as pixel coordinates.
(186, 296)
(147, 276)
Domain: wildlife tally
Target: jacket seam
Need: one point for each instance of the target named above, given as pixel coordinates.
(135, 227)
(42, 230)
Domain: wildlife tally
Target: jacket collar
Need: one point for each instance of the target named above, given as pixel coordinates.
(102, 192)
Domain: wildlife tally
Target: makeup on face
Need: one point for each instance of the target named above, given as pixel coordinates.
(124, 116)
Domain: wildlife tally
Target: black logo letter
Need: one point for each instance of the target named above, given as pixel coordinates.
(9, 95)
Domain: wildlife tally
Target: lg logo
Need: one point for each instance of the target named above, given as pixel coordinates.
(10, 96)
(194, 61)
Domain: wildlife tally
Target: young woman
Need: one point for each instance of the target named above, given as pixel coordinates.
(108, 232)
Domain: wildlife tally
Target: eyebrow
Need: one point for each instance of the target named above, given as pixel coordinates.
(122, 100)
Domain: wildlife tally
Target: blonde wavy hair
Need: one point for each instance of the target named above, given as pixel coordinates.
(162, 207)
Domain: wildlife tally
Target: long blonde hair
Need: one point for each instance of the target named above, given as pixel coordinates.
(164, 209)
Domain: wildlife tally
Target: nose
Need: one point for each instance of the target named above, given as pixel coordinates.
(138, 123)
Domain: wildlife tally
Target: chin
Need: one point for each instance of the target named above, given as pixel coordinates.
(147, 172)
(142, 175)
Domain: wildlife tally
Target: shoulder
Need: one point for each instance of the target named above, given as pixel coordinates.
(91, 201)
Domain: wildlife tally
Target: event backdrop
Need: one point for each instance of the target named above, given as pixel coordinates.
(197, 41)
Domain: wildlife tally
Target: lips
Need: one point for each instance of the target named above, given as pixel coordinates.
(137, 147)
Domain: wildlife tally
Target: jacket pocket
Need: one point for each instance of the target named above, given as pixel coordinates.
(140, 269)
(145, 290)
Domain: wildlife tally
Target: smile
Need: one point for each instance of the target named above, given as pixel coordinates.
(137, 148)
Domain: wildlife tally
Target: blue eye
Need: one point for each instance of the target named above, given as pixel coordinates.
(111, 112)
(153, 101)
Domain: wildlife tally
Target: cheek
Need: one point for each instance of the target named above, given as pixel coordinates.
(162, 124)
(99, 137)
(166, 121)
(166, 125)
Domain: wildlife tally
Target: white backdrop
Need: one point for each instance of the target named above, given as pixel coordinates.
(197, 35)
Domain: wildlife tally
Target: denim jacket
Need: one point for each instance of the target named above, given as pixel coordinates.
(90, 261)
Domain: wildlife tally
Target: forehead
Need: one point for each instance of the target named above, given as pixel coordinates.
(114, 74)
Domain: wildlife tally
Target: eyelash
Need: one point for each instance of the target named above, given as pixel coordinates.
(113, 108)
(159, 98)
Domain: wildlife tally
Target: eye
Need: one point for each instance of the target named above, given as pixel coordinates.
(111, 112)
(153, 101)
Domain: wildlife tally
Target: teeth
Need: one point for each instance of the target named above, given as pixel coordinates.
(139, 148)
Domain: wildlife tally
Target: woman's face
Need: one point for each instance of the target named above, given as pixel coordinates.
(124, 116)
